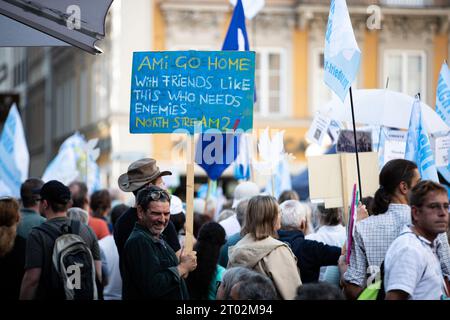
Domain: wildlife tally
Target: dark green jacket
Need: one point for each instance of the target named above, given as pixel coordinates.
(149, 268)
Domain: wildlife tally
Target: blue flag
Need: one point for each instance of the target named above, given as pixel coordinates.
(14, 156)
(443, 107)
(418, 147)
(215, 152)
(236, 38)
(342, 54)
(443, 94)
(216, 163)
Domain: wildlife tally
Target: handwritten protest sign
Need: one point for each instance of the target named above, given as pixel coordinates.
(174, 90)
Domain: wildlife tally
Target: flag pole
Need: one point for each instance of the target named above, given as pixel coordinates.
(208, 190)
(356, 145)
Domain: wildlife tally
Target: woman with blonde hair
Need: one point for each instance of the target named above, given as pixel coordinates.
(261, 251)
(12, 250)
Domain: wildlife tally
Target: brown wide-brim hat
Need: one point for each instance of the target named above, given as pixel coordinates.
(139, 174)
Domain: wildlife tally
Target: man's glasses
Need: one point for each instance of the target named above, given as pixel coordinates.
(437, 206)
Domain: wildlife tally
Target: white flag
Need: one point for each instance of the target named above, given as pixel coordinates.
(76, 160)
(251, 7)
(342, 54)
(14, 156)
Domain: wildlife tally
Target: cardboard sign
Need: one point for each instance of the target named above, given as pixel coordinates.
(332, 176)
(174, 90)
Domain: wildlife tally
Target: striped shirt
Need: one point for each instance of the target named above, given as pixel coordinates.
(372, 238)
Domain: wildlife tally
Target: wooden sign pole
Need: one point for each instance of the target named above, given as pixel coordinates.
(188, 244)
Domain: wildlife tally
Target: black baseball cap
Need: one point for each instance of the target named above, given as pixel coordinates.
(55, 191)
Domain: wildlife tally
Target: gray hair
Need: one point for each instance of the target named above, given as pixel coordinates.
(78, 214)
(241, 209)
(292, 214)
(233, 276)
(225, 214)
(257, 287)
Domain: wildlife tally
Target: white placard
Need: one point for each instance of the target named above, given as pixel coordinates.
(318, 128)
(395, 145)
(441, 150)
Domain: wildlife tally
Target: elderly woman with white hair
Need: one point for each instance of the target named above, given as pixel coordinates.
(78, 214)
(311, 255)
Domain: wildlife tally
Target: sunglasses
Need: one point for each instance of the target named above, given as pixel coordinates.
(156, 194)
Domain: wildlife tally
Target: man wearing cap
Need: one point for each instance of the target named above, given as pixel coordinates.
(29, 214)
(140, 174)
(37, 280)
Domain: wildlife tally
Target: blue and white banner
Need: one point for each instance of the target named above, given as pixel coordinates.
(76, 160)
(342, 54)
(14, 156)
(443, 107)
(418, 147)
(443, 94)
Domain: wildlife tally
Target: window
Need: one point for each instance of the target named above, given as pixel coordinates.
(270, 80)
(321, 93)
(20, 66)
(65, 114)
(84, 90)
(406, 71)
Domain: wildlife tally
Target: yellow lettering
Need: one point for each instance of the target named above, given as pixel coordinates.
(197, 63)
(140, 122)
(204, 122)
(244, 64)
(158, 62)
(145, 62)
(227, 120)
(212, 63)
(234, 63)
(182, 65)
(214, 123)
(177, 123)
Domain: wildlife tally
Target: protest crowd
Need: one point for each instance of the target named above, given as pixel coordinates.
(264, 249)
(75, 240)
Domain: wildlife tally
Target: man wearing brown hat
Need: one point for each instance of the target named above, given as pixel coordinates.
(140, 174)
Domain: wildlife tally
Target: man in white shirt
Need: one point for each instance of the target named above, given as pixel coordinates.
(412, 268)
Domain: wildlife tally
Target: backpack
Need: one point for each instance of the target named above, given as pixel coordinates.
(376, 290)
(73, 268)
